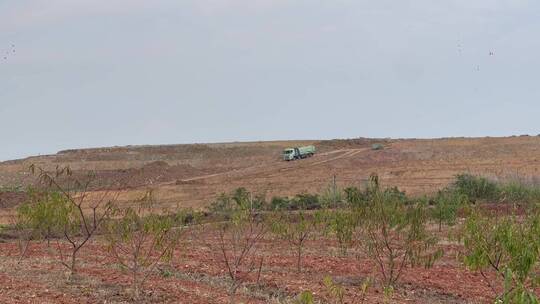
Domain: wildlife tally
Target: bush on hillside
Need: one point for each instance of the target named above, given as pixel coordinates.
(354, 196)
(481, 188)
(227, 203)
(476, 187)
(519, 192)
(331, 197)
(305, 201)
(279, 203)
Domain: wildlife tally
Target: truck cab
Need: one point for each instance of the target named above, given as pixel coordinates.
(289, 154)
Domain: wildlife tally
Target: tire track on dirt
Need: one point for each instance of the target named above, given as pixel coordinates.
(267, 168)
(348, 154)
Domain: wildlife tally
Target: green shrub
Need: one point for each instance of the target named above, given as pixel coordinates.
(446, 207)
(227, 203)
(514, 192)
(354, 196)
(306, 297)
(519, 192)
(342, 223)
(188, 216)
(334, 290)
(508, 246)
(481, 188)
(331, 197)
(45, 214)
(397, 194)
(241, 196)
(259, 202)
(305, 201)
(279, 203)
(476, 187)
(222, 204)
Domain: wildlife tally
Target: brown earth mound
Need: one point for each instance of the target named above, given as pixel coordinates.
(192, 175)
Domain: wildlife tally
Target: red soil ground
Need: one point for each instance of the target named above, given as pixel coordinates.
(197, 274)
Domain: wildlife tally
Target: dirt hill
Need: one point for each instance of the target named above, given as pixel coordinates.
(192, 175)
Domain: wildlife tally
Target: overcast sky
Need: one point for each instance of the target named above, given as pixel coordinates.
(90, 73)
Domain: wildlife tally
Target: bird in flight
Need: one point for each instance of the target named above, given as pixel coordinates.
(9, 52)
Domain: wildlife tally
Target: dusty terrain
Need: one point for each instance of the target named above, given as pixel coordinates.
(192, 175)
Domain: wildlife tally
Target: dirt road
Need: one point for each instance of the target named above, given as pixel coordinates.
(281, 166)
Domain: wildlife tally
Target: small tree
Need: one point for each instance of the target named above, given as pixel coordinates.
(78, 225)
(295, 229)
(508, 246)
(342, 223)
(139, 239)
(446, 207)
(238, 242)
(394, 235)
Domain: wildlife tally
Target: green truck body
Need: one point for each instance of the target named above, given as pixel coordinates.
(298, 152)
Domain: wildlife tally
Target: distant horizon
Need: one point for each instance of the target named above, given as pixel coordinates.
(257, 141)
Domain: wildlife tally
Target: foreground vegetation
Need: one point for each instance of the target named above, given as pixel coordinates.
(383, 224)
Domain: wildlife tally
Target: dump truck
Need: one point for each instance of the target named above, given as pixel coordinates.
(377, 147)
(298, 152)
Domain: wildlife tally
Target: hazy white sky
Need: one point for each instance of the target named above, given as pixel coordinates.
(89, 73)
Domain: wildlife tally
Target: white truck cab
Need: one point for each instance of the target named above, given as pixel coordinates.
(298, 152)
